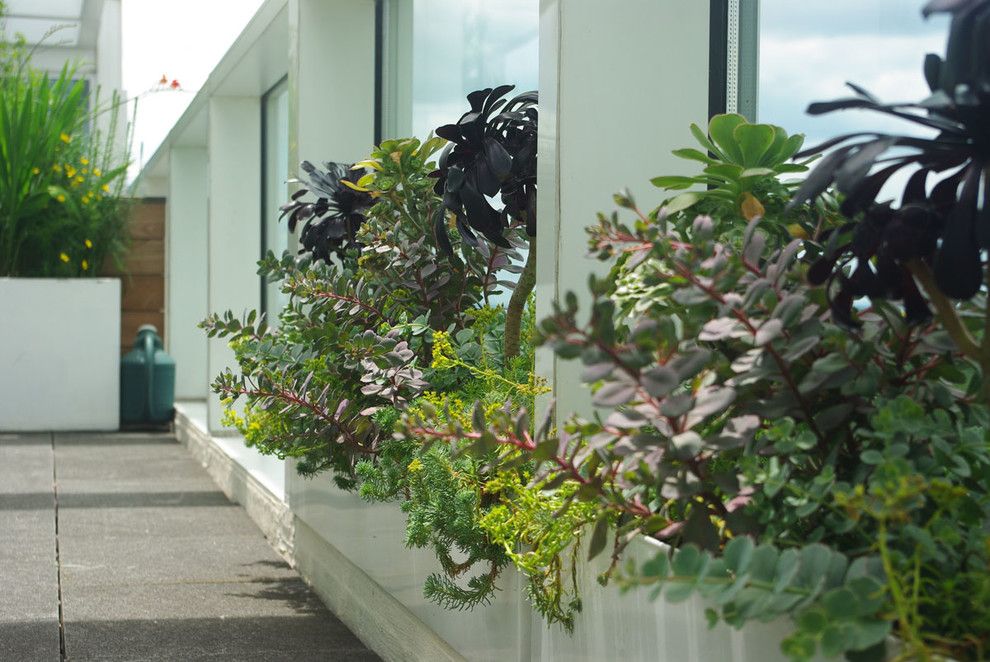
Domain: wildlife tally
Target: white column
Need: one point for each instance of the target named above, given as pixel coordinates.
(109, 76)
(108, 50)
(620, 84)
(331, 80)
(234, 229)
(186, 269)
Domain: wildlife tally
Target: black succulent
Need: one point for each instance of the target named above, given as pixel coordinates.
(946, 229)
(492, 152)
(331, 221)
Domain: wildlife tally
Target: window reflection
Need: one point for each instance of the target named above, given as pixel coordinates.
(463, 45)
(808, 50)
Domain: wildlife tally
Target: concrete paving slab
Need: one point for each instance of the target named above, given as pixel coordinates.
(29, 627)
(247, 638)
(25, 439)
(25, 468)
(160, 521)
(77, 496)
(157, 564)
(29, 590)
(67, 440)
(30, 641)
(113, 562)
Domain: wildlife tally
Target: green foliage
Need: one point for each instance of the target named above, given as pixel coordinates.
(741, 179)
(731, 407)
(834, 604)
(378, 348)
(61, 212)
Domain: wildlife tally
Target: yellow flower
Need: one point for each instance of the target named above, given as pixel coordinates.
(57, 168)
(60, 197)
(85, 265)
(65, 138)
(80, 179)
(97, 172)
(415, 466)
(105, 188)
(35, 171)
(85, 199)
(84, 161)
(70, 172)
(64, 257)
(88, 243)
(84, 171)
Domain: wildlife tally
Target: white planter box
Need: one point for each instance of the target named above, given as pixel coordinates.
(362, 538)
(59, 354)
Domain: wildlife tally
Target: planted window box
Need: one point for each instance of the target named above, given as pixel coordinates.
(61, 219)
(789, 374)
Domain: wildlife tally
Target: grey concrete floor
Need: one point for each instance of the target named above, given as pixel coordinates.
(119, 547)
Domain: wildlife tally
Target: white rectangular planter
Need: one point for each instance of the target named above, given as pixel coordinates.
(59, 354)
(353, 554)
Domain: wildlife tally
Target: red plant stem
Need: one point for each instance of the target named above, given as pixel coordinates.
(778, 359)
(333, 296)
(288, 396)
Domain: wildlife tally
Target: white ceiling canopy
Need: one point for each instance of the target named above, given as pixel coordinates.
(60, 9)
(51, 22)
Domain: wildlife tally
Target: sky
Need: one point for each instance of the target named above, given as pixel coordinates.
(181, 39)
(809, 49)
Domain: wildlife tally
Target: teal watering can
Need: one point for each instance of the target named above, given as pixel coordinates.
(147, 381)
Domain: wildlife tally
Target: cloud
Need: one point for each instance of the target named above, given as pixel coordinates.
(798, 69)
(847, 17)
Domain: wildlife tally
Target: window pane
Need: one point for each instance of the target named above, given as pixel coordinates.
(808, 50)
(275, 233)
(447, 48)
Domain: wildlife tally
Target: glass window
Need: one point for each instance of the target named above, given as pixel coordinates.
(275, 173)
(440, 50)
(808, 50)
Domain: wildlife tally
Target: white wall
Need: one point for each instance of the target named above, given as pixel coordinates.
(186, 239)
(331, 80)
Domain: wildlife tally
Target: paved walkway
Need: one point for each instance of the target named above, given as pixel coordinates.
(119, 547)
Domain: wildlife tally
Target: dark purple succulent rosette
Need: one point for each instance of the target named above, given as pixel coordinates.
(492, 152)
(331, 221)
(946, 228)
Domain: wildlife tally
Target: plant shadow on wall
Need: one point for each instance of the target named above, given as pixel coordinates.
(61, 179)
(777, 400)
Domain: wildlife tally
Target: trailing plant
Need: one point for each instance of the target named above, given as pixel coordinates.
(383, 321)
(61, 179)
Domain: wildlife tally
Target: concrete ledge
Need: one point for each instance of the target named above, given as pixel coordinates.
(370, 612)
(271, 514)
